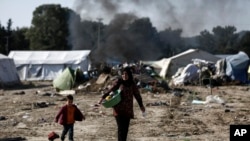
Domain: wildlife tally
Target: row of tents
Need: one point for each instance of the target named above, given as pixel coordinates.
(40, 65)
(235, 66)
(48, 65)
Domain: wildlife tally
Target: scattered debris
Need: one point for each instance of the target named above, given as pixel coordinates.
(21, 125)
(210, 99)
(19, 93)
(66, 92)
(160, 103)
(40, 104)
(2, 118)
(13, 139)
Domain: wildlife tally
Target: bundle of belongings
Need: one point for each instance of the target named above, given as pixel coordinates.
(52, 135)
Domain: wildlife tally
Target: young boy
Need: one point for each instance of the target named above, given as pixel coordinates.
(67, 116)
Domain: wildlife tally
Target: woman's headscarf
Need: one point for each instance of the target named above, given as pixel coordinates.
(130, 80)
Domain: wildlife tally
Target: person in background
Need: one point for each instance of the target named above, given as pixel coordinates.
(123, 111)
(67, 116)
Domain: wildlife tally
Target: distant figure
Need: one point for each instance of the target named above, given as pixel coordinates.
(67, 116)
(123, 111)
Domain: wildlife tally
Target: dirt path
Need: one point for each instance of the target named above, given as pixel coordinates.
(185, 122)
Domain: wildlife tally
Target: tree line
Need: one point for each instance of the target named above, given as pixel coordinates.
(126, 37)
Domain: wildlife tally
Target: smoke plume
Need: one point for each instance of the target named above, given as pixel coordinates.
(191, 16)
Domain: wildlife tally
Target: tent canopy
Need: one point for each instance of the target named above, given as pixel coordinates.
(169, 66)
(47, 65)
(49, 57)
(65, 81)
(8, 72)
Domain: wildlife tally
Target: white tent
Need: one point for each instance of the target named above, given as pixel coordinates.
(169, 66)
(47, 65)
(8, 72)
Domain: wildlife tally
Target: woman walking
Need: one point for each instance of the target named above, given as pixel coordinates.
(123, 111)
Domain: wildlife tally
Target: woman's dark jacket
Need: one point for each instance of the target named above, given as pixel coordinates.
(125, 106)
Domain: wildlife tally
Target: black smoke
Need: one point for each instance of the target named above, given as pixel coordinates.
(145, 29)
(192, 16)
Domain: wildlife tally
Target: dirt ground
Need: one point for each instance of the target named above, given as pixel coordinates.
(27, 113)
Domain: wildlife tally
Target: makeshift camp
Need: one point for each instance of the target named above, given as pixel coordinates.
(237, 67)
(172, 64)
(47, 65)
(8, 72)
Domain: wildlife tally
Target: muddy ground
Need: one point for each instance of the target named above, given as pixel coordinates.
(27, 113)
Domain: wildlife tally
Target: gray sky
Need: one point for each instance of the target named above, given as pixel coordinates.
(192, 16)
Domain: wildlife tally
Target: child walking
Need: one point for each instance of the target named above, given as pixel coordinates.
(67, 116)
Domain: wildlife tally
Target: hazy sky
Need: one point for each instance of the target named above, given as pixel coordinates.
(20, 11)
(192, 16)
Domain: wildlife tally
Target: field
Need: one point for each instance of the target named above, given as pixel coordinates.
(27, 113)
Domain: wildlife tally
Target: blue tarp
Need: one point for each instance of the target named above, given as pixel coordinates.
(237, 67)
